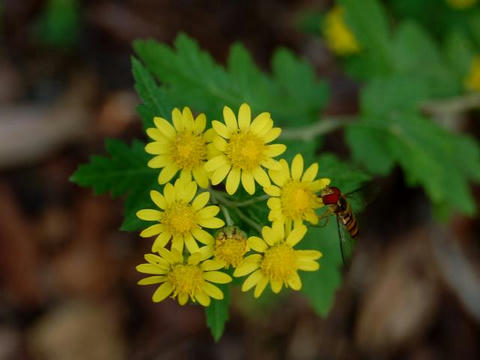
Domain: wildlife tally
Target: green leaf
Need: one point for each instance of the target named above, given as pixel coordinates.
(123, 172)
(155, 99)
(368, 21)
(320, 286)
(417, 55)
(217, 313)
(460, 52)
(191, 77)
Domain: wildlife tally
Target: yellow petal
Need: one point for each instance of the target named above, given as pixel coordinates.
(261, 176)
(151, 269)
(212, 291)
(191, 244)
(220, 143)
(245, 268)
(202, 298)
(202, 236)
(216, 162)
(217, 277)
(272, 134)
(159, 161)
(149, 214)
(272, 190)
(155, 259)
(261, 285)
(158, 199)
(274, 203)
(177, 244)
(244, 116)
(187, 192)
(271, 164)
(296, 235)
(252, 280)
(209, 265)
(275, 150)
(212, 223)
(201, 177)
(233, 181)
(260, 122)
(208, 212)
(157, 147)
(220, 174)
(278, 230)
(248, 182)
(295, 282)
(230, 120)
(162, 292)
(169, 194)
(310, 173)
(264, 131)
(276, 286)
(177, 120)
(307, 265)
(167, 174)
(195, 258)
(308, 254)
(221, 129)
(156, 135)
(182, 298)
(165, 127)
(187, 118)
(152, 230)
(161, 241)
(200, 201)
(157, 279)
(297, 167)
(200, 124)
(319, 184)
(257, 244)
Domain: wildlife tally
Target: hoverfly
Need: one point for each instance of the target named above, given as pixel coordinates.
(347, 223)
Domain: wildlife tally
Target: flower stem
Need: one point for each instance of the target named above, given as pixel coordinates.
(249, 221)
(322, 127)
(223, 199)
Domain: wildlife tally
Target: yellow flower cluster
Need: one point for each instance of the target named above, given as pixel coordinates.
(461, 4)
(240, 151)
(338, 36)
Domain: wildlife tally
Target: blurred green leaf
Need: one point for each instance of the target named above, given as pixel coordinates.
(459, 52)
(368, 21)
(320, 286)
(58, 24)
(217, 313)
(123, 172)
(191, 77)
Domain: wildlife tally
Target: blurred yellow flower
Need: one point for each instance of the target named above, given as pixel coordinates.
(461, 4)
(340, 39)
(294, 193)
(243, 149)
(277, 262)
(183, 280)
(182, 147)
(472, 80)
(180, 218)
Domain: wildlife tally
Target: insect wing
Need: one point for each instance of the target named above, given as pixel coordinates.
(363, 196)
(346, 242)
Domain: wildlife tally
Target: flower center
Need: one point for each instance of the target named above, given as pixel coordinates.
(186, 279)
(230, 246)
(297, 199)
(179, 218)
(188, 150)
(245, 150)
(279, 262)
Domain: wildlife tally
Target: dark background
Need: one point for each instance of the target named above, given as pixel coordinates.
(67, 275)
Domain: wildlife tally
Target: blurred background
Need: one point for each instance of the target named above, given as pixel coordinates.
(68, 280)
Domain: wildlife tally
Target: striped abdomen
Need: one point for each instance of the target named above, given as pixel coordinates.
(347, 217)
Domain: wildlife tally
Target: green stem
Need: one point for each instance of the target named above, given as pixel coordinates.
(322, 127)
(215, 200)
(452, 105)
(222, 198)
(249, 221)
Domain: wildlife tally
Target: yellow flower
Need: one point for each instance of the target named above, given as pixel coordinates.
(340, 39)
(461, 4)
(243, 149)
(182, 147)
(472, 80)
(277, 262)
(294, 197)
(183, 280)
(230, 246)
(180, 218)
